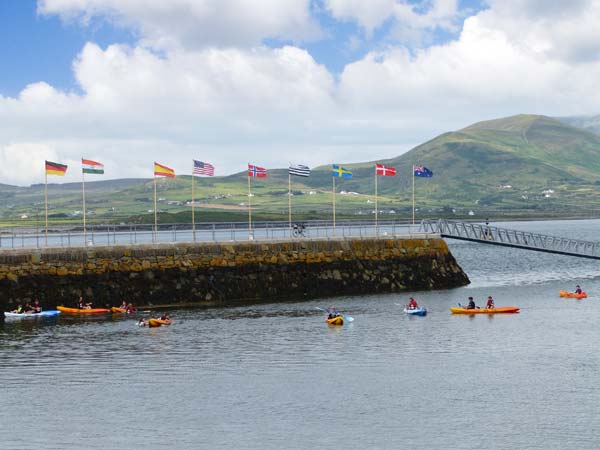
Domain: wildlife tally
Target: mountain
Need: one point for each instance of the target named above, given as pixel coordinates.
(589, 123)
(518, 166)
(505, 164)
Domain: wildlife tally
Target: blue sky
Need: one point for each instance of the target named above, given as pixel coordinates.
(277, 81)
(42, 48)
(36, 47)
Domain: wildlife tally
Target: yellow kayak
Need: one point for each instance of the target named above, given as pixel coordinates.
(572, 294)
(503, 310)
(77, 311)
(153, 323)
(339, 320)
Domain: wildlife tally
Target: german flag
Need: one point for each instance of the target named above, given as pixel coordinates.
(55, 169)
(163, 171)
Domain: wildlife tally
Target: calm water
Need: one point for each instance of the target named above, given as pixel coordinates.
(276, 377)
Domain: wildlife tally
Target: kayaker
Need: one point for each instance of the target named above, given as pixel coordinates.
(412, 304)
(83, 305)
(19, 309)
(123, 305)
(142, 323)
(332, 313)
(471, 304)
(130, 308)
(490, 303)
(28, 308)
(37, 308)
(165, 316)
(578, 289)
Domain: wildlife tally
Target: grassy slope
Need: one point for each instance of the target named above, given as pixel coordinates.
(472, 166)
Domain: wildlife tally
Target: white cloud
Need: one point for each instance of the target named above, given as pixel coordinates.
(411, 21)
(23, 162)
(231, 105)
(196, 23)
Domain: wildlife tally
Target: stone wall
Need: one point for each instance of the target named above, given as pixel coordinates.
(226, 273)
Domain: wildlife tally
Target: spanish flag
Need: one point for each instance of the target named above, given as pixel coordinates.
(55, 169)
(163, 171)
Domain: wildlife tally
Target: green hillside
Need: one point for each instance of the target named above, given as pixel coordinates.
(519, 166)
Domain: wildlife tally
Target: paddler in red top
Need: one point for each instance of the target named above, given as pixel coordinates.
(412, 304)
(490, 303)
(578, 289)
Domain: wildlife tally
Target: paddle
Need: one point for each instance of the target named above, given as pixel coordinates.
(348, 318)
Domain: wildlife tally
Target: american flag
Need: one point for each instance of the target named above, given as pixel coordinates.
(386, 171)
(202, 168)
(256, 172)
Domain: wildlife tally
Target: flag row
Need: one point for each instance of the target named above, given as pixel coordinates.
(254, 171)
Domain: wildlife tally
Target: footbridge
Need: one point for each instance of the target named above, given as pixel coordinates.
(488, 234)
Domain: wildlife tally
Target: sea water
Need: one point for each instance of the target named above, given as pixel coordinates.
(276, 376)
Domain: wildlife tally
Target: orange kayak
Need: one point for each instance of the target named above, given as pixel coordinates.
(503, 310)
(153, 323)
(572, 294)
(116, 310)
(339, 320)
(77, 311)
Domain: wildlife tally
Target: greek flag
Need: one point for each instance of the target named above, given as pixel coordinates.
(300, 170)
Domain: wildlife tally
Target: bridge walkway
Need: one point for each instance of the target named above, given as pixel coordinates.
(493, 235)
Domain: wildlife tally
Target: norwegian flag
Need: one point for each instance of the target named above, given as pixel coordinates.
(386, 171)
(256, 172)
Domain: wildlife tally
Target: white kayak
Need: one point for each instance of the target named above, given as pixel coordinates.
(49, 313)
(416, 311)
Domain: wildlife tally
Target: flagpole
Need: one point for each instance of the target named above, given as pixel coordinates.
(46, 202)
(83, 195)
(333, 190)
(155, 214)
(413, 194)
(290, 200)
(193, 213)
(249, 209)
(376, 206)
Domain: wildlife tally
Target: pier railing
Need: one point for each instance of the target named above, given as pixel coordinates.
(73, 236)
(494, 235)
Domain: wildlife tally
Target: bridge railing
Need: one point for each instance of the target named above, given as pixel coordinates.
(485, 233)
(114, 234)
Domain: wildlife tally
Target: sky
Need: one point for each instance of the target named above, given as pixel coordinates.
(273, 82)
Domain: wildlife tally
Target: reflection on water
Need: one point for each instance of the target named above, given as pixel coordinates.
(276, 376)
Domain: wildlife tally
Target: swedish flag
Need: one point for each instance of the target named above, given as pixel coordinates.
(340, 172)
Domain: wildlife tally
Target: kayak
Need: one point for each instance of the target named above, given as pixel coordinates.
(153, 323)
(49, 313)
(116, 310)
(416, 312)
(572, 294)
(339, 320)
(503, 310)
(77, 311)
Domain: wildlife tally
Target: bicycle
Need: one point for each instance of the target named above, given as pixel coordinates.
(299, 230)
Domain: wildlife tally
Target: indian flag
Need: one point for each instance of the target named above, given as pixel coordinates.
(89, 166)
(53, 168)
(163, 171)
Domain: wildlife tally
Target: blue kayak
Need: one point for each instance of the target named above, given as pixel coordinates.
(49, 313)
(416, 312)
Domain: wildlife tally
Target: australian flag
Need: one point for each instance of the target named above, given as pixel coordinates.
(422, 171)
